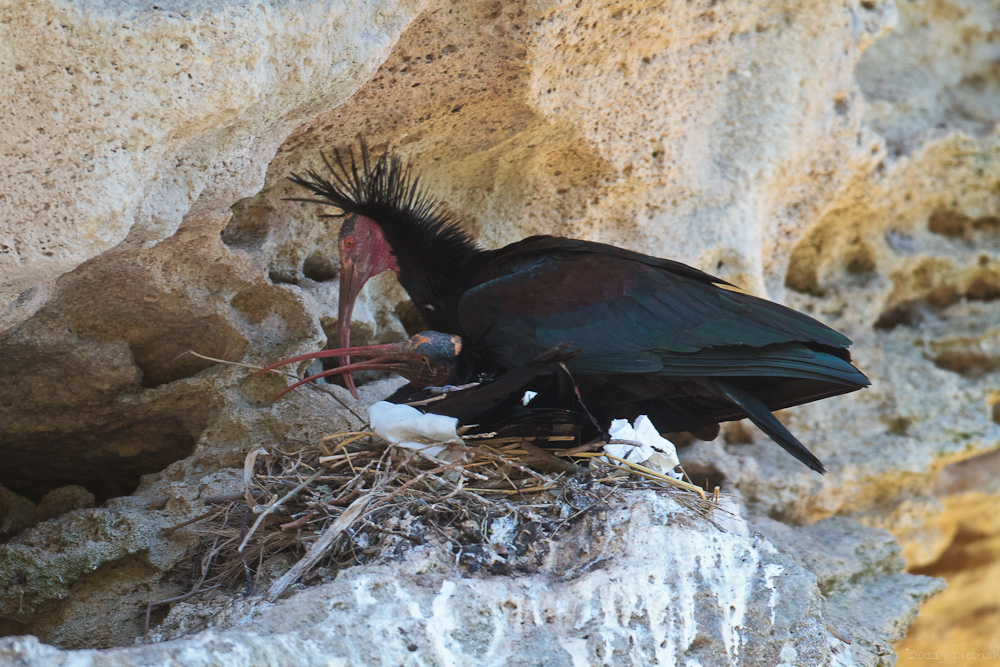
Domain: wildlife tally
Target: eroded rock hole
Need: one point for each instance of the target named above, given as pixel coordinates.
(282, 277)
(802, 273)
(161, 352)
(361, 378)
(708, 477)
(932, 294)
(957, 225)
(948, 223)
(985, 286)
(737, 433)
(320, 267)
(860, 264)
(977, 473)
(247, 230)
(841, 106)
(899, 426)
(914, 311)
(360, 336)
(969, 362)
(122, 588)
(411, 318)
(107, 461)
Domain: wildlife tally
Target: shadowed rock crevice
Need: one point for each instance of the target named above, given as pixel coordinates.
(99, 388)
(969, 358)
(122, 584)
(248, 228)
(293, 239)
(925, 288)
(70, 415)
(360, 336)
(958, 225)
(161, 353)
(107, 460)
(845, 259)
(320, 267)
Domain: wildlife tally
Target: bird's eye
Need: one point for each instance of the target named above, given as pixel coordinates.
(425, 360)
(348, 242)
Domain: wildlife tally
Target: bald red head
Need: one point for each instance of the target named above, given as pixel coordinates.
(364, 253)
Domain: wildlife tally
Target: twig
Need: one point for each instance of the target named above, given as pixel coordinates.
(298, 523)
(211, 513)
(320, 546)
(557, 463)
(311, 385)
(273, 506)
(586, 447)
(248, 465)
(225, 498)
(643, 471)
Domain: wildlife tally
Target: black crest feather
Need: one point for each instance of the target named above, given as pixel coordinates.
(383, 189)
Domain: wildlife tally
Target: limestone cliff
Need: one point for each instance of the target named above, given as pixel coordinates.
(843, 159)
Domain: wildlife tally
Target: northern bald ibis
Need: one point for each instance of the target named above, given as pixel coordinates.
(652, 335)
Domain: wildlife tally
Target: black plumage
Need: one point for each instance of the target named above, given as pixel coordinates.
(651, 334)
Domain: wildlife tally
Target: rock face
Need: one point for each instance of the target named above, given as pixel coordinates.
(119, 170)
(843, 159)
(122, 120)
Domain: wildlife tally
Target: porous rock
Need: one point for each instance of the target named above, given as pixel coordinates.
(841, 158)
(121, 119)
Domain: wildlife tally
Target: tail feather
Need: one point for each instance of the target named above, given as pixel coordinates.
(768, 423)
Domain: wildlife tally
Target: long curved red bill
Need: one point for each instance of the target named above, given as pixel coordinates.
(387, 363)
(370, 365)
(349, 290)
(429, 358)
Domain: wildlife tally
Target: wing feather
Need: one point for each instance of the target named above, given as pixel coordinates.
(628, 316)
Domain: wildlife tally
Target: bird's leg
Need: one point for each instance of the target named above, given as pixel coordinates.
(583, 406)
(452, 387)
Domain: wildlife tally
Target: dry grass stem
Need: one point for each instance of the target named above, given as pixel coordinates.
(314, 386)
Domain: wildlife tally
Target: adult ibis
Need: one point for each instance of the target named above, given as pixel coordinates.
(652, 335)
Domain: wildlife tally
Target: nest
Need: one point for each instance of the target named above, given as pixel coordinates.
(352, 498)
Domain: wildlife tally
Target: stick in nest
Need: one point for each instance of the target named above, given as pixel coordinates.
(320, 546)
